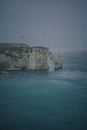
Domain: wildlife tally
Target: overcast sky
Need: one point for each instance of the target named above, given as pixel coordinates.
(58, 24)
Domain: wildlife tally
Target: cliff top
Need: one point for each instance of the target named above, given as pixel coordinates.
(11, 45)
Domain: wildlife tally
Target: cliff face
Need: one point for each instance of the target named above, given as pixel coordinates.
(23, 57)
(38, 58)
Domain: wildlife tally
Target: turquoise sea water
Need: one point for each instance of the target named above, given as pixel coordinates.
(46, 100)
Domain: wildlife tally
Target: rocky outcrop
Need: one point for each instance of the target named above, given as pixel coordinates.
(58, 63)
(23, 57)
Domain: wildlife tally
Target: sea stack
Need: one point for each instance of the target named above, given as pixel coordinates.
(58, 63)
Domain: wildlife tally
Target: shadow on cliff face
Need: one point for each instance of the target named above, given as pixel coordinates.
(23, 68)
(4, 65)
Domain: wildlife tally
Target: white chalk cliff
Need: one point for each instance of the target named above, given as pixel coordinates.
(23, 57)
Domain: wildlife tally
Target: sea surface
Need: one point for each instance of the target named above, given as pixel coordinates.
(46, 100)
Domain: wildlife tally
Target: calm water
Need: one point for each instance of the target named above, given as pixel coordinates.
(46, 100)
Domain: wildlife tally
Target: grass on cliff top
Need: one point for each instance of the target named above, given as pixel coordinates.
(11, 47)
